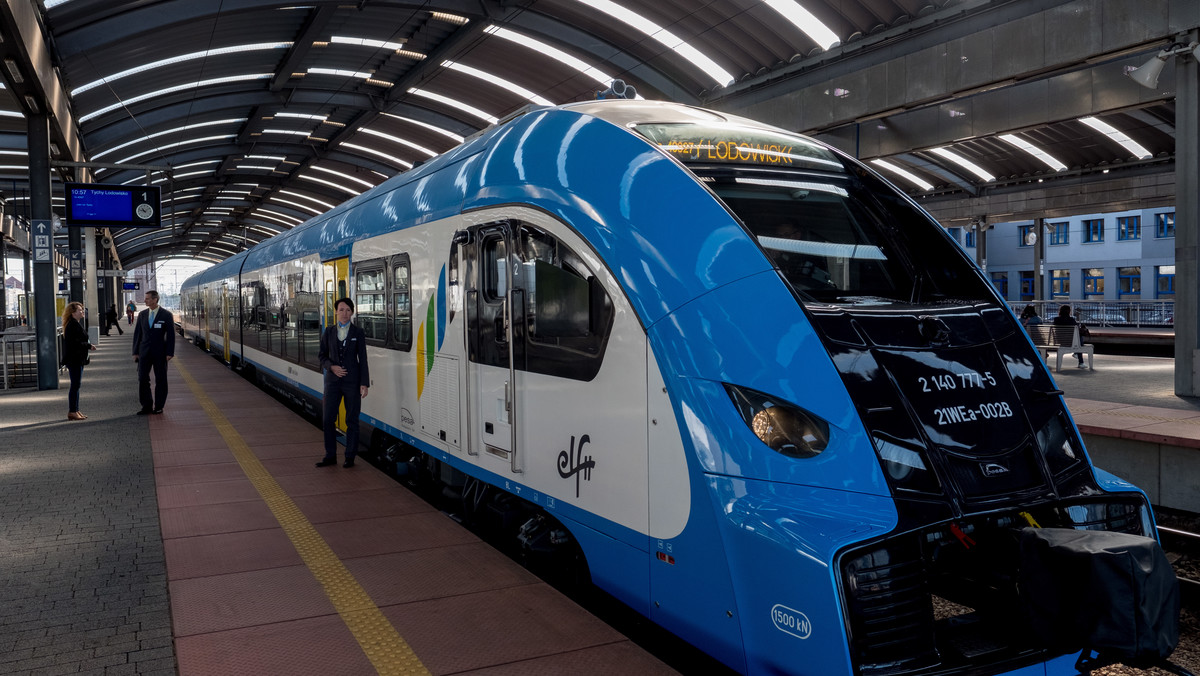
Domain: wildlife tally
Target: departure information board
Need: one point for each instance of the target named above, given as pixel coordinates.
(120, 206)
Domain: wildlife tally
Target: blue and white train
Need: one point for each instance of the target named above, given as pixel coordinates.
(772, 405)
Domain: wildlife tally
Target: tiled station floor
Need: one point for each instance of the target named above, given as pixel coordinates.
(277, 567)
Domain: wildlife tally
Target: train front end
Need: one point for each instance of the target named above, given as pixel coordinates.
(875, 430)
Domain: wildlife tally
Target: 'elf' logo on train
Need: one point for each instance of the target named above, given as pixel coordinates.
(574, 463)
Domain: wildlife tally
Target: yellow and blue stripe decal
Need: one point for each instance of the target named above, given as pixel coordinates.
(431, 332)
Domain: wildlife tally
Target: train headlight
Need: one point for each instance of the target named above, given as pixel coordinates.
(1056, 447)
(781, 425)
(905, 466)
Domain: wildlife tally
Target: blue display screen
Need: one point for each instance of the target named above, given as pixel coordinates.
(97, 204)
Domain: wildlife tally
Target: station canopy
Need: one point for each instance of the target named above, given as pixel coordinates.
(256, 115)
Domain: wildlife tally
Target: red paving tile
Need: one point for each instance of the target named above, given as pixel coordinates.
(190, 474)
(433, 573)
(205, 604)
(197, 457)
(605, 660)
(225, 553)
(228, 517)
(491, 628)
(363, 504)
(308, 449)
(318, 646)
(208, 493)
(335, 480)
(390, 534)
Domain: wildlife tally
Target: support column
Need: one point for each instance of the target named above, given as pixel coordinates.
(1187, 224)
(44, 278)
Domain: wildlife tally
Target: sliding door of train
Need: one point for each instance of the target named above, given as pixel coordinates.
(229, 305)
(337, 285)
(493, 401)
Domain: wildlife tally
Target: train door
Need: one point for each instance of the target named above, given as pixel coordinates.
(205, 303)
(228, 301)
(337, 285)
(492, 378)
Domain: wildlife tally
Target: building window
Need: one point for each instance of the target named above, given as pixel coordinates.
(969, 238)
(1129, 227)
(1093, 282)
(1164, 281)
(1060, 283)
(1000, 281)
(1060, 233)
(1129, 281)
(1093, 230)
(1165, 224)
(1023, 232)
(1027, 285)
(954, 234)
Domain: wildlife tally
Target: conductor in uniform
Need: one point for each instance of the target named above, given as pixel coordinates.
(153, 347)
(343, 356)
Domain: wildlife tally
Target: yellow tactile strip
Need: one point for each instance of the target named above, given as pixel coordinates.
(382, 644)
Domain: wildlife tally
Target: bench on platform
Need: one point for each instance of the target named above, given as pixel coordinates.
(1061, 340)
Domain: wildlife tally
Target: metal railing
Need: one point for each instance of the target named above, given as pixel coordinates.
(1100, 313)
(18, 357)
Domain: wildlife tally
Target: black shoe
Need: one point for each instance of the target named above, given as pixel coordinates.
(327, 462)
(145, 411)
(157, 411)
(349, 463)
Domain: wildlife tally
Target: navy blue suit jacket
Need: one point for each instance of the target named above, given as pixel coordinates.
(352, 356)
(154, 342)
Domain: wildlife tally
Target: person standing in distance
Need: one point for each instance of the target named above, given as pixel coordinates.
(153, 347)
(75, 355)
(343, 357)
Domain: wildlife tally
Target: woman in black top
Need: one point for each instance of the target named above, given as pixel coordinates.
(75, 354)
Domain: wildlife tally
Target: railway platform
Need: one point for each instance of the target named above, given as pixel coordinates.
(204, 541)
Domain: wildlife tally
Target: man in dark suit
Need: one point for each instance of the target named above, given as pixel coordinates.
(153, 347)
(343, 357)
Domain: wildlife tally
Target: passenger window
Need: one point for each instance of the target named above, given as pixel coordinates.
(495, 268)
(370, 306)
(401, 303)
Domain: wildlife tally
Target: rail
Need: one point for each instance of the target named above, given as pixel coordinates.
(18, 357)
(1100, 313)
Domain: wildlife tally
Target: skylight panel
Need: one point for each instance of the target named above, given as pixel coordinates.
(292, 193)
(180, 59)
(202, 139)
(366, 42)
(255, 167)
(454, 103)
(669, 40)
(1113, 133)
(498, 81)
(287, 132)
(804, 20)
(444, 132)
(176, 130)
(177, 88)
(331, 184)
(377, 153)
(964, 163)
(553, 52)
(904, 173)
(397, 139)
(294, 221)
(363, 75)
(302, 207)
(1037, 152)
(346, 176)
(302, 116)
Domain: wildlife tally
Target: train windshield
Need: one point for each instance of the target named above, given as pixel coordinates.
(835, 231)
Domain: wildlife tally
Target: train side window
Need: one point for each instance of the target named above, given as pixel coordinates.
(401, 305)
(567, 314)
(495, 268)
(370, 300)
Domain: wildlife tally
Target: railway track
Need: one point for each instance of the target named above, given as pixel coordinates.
(1184, 545)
